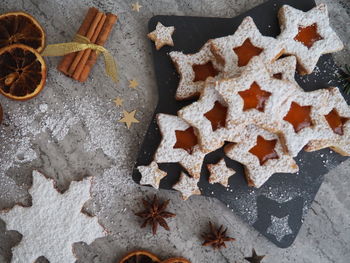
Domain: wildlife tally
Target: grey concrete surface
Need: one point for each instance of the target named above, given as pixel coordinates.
(70, 130)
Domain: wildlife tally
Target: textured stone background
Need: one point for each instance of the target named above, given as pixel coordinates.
(70, 130)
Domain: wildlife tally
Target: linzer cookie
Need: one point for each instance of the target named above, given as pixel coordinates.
(151, 174)
(209, 116)
(220, 173)
(262, 155)
(235, 51)
(179, 144)
(307, 35)
(255, 97)
(187, 186)
(336, 124)
(194, 69)
(161, 36)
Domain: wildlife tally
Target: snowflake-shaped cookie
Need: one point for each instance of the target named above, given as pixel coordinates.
(255, 97)
(161, 36)
(262, 155)
(179, 144)
(235, 51)
(53, 223)
(194, 69)
(220, 173)
(336, 124)
(151, 174)
(209, 116)
(187, 186)
(307, 35)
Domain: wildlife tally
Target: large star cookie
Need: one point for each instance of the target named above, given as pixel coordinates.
(53, 223)
(307, 35)
(151, 174)
(179, 144)
(262, 155)
(220, 173)
(235, 51)
(336, 124)
(187, 186)
(194, 69)
(161, 36)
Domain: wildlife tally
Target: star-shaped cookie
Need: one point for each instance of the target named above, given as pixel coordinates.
(235, 51)
(307, 35)
(193, 70)
(151, 174)
(220, 173)
(187, 186)
(161, 36)
(262, 155)
(179, 144)
(255, 97)
(336, 124)
(129, 118)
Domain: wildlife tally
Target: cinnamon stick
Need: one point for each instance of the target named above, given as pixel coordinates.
(87, 52)
(101, 40)
(67, 59)
(89, 35)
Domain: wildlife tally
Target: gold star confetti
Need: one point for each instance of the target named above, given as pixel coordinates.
(136, 7)
(129, 118)
(133, 84)
(118, 101)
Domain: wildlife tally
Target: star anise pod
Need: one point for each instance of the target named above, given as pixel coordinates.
(155, 214)
(217, 237)
(254, 258)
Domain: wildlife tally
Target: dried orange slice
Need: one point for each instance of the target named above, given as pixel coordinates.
(140, 256)
(21, 28)
(176, 260)
(22, 72)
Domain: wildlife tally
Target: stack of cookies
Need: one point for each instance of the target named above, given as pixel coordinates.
(249, 101)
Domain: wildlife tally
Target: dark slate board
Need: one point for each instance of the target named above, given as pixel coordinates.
(284, 196)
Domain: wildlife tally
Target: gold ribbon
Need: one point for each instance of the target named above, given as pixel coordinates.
(81, 43)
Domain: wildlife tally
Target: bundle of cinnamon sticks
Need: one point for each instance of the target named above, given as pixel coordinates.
(96, 27)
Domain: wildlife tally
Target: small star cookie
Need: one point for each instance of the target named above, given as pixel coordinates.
(129, 118)
(151, 174)
(262, 155)
(136, 7)
(307, 35)
(161, 36)
(187, 186)
(194, 69)
(220, 173)
(235, 51)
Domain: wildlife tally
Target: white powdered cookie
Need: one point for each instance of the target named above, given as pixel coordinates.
(151, 174)
(187, 186)
(179, 144)
(255, 97)
(307, 35)
(161, 36)
(235, 51)
(220, 173)
(262, 155)
(336, 124)
(193, 70)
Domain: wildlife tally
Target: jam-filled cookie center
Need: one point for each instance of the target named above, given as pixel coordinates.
(278, 76)
(308, 35)
(299, 116)
(202, 72)
(217, 116)
(254, 97)
(336, 122)
(186, 140)
(264, 150)
(246, 52)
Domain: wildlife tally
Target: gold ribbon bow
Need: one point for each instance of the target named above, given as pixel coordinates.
(81, 43)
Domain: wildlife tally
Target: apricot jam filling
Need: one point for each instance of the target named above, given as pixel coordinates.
(254, 98)
(186, 140)
(299, 116)
(264, 150)
(277, 76)
(336, 122)
(246, 52)
(308, 35)
(217, 116)
(202, 72)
